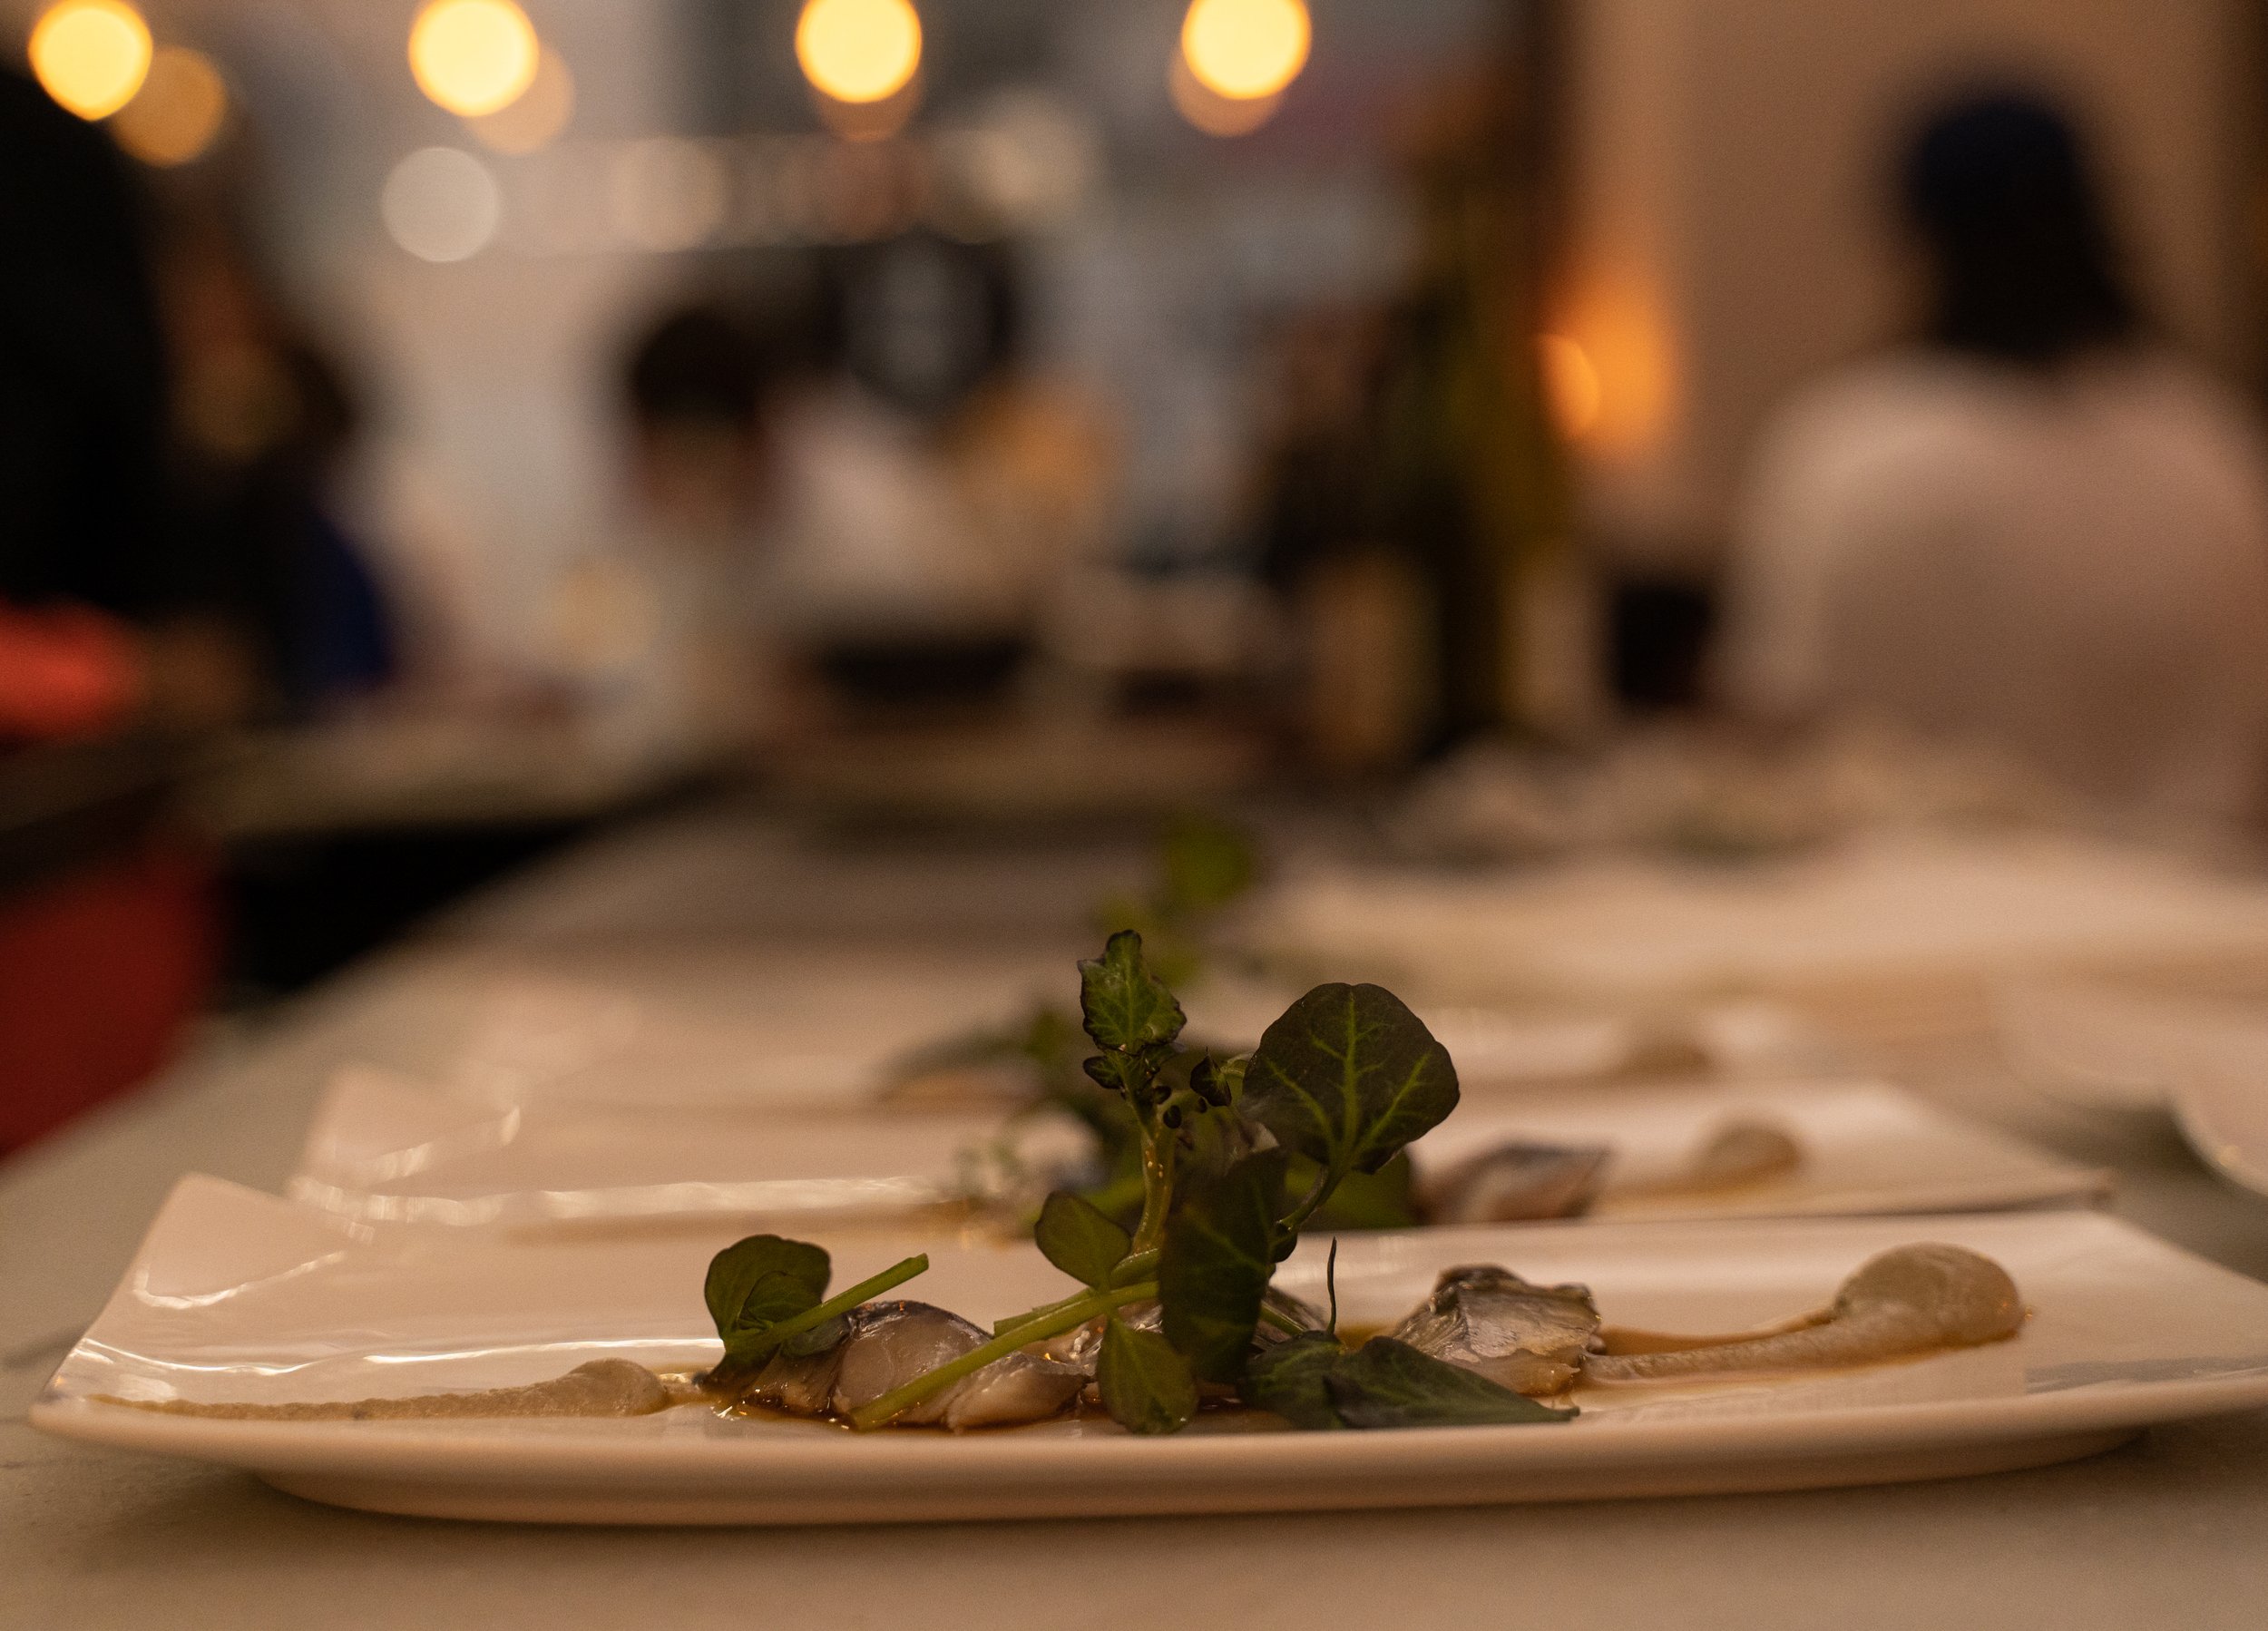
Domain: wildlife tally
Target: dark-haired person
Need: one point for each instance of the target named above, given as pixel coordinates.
(107, 940)
(2036, 530)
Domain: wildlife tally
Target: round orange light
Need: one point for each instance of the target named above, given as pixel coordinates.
(1245, 49)
(177, 112)
(858, 49)
(472, 56)
(90, 56)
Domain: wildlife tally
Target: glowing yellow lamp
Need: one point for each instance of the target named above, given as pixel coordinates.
(1244, 49)
(177, 112)
(858, 49)
(91, 55)
(472, 56)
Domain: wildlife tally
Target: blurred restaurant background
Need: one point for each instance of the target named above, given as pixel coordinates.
(1451, 437)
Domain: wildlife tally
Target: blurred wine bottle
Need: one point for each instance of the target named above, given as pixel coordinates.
(1475, 492)
(1439, 597)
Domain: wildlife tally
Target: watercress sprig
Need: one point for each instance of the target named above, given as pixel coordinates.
(1235, 1155)
(1345, 1078)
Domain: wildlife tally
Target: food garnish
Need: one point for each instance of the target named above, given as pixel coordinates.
(1232, 1156)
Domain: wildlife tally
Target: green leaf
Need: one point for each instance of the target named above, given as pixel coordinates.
(1292, 1378)
(1145, 1385)
(1079, 1239)
(1216, 1262)
(1347, 1077)
(1125, 1007)
(1386, 1383)
(755, 1283)
(1126, 1074)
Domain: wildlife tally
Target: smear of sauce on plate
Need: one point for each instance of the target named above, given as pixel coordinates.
(603, 1387)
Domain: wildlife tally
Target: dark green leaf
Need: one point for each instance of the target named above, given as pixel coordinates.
(1079, 1239)
(1389, 1383)
(1145, 1385)
(1213, 1141)
(1216, 1262)
(1128, 1074)
(1347, 1077)
(1207, 863)
(1292, 1378)
(756, 1282)
(1125, 1007)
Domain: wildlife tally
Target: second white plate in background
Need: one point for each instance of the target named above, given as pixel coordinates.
(385, 1150)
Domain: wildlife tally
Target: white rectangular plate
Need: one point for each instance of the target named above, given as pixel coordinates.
(647, 1030)
(385, 1150)
(1890, 908)
(236, 1296)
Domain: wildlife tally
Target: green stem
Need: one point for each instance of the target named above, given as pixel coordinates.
(1133, 1267)
(1282, 1322)
(1136, 1266)
(843, 1302)
(1326, 1182)
(1045, 1310)
(1157, 1185)
(897, 1401)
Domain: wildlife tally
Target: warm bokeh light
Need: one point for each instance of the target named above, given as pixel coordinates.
(1570, 386)
(441, 204)
(1615, 318)
(90, 56)
(177, 112)
(1209, 111)
(1246, 49)
(533, 120)
(472, 56)
(858, 49)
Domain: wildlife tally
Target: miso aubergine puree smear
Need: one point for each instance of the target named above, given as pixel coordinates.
(1909, 1301)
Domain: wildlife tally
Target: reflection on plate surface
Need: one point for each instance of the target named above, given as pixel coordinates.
(384, 1149)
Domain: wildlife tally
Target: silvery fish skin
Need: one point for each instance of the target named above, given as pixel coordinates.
(886, 1345)
(1532, 1339)
(1907, 1301)
(1517, 1183)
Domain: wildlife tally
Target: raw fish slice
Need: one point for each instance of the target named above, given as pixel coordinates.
(886, 1345)
(894, 1342)
(1908, 1301)
(1532, 1339)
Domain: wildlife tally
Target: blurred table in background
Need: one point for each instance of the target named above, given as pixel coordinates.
(2162, 1532)
(337, 836)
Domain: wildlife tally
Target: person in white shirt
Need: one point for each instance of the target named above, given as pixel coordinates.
(2037, 532)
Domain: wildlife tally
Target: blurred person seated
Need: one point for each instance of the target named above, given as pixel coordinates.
(2036, 530)
(262, 422)
(672, 628)
(106, 952)
(932, 493)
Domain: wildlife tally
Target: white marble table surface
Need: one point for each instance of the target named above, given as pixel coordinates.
(2169, 1531)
